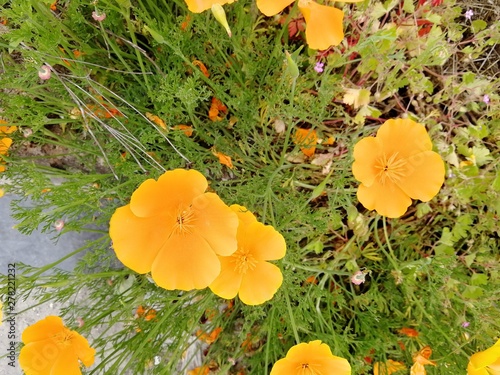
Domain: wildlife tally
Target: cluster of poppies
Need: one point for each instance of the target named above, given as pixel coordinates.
(324, 23)
(5, 141)
(188, 238)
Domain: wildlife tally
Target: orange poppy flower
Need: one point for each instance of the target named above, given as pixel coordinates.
(396, 166)
(202, 67)
(324, 23)
(175, 230)
(224, 159)
(388, 367)
(5, 142)
(311, 358)
(155, 119)
(486, 362)
(147, 314)
(198, 6)
(247, 272)
(421, 359)
(307, 139)
(202, 370)
(52, 349)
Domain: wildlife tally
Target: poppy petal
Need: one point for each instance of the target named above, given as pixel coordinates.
(43, 329)
(227, 284)
(262, 241)
(260, 284)
(404, 137)
(66, 363)
(244, 214)
(366, 153)
(388, 200)
(5, 143)
(82, 349)
(324, 24)
(198, 6)
(216, 223)
(272, 7)
(37, 358)
(185, 262)
(426, 166)
(136, 240)
(486, 357)
(174, 189)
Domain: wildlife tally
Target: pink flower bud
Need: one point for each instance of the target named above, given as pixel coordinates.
(358, 278)
(44, 72)
(59, 225)
(98, 17)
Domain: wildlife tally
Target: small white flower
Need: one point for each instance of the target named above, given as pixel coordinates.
(469, 14)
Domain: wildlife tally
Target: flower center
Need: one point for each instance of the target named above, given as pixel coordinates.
(184, 220)
(392, 168)
(63, 339)
(307, 369)
(243, 261)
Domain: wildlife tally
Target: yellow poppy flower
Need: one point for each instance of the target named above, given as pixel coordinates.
(324, 23)
(311, 358)
(175, 230)
(486, 362)
(247, 272)
(198, 6)
(52, 349)
(396, 166)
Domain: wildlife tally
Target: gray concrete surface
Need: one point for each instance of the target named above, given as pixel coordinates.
(37, 249)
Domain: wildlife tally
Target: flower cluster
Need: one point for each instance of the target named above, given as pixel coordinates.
(5, 142)
(188, 238)
(324, 23)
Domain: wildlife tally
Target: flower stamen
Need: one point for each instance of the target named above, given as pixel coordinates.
(184, 221)
(392, 168)
(243, 261)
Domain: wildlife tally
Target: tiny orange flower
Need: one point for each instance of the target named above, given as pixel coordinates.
(420, 359)
(147, 314)
(175, 230)
(51, 348)
(311, 358)
(387, 368)
(396, 166)
(307, 139)
(53, 6)
(246, 272)
(410, 332)
(215, 109)
(486, 362)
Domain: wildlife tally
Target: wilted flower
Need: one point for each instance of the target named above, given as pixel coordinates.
(44, 72)
(51, 348)
(311, 358)
(486, 362)
(324, 23)
(247, 272)
(98, 17)
(420, 360)
(175, 230)
(396, 166)
(307, 140)
(358, 278)
(387, 368)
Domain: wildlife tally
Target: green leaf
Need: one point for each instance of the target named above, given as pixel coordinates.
(318, 190)
(478, 25)
(479, 279)
(446, 237)
(496, 182)
(468, 78)
(473, 292)
(481, 154)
